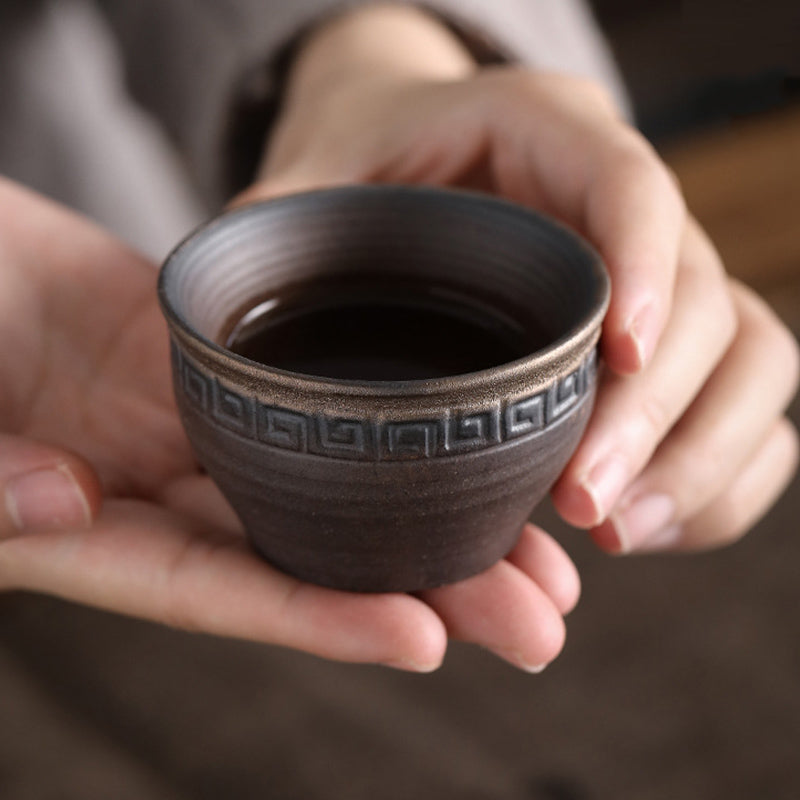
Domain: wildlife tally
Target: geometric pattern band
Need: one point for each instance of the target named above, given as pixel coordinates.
(387, 440)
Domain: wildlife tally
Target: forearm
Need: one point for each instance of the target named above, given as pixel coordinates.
(350, 66)
(211, 72)
(377, 43)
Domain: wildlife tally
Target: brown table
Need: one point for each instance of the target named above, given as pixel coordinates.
(743, 184)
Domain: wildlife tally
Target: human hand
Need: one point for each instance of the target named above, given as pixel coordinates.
(102, 503)
(688, 445)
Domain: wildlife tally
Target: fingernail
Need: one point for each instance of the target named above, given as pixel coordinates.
(642, 519)
(604, 484)
(608, 538)
(642, 328)
(533, 669)
(407, 665)
(663, 539)
(46, 498)
(515, 658)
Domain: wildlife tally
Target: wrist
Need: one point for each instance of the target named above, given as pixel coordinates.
(377, 44)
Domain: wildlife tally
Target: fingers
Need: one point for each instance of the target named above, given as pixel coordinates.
(42, 487)
(553, 142)
(731, 424)
(572, 155)
(736, 509)
(153, 563)
(543, 560)
(632, 210)
(145, 561)
(505, 610)
(142, 560)
(748, 497)
(633, 414)
(635, 215)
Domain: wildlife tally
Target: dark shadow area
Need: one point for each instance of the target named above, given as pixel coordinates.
(690, 65)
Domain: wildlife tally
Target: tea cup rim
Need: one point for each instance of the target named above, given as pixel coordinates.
(555, 351)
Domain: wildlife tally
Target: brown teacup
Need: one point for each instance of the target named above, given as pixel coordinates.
(384, 381)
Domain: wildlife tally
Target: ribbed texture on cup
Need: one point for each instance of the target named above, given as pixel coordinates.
(475, 243)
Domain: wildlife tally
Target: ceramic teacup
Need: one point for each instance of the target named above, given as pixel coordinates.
(412, 480)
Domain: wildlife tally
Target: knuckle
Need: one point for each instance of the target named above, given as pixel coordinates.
(653, 166)
(723, 316)
(730, 524)
(788, 442)
(786, 352)
(676, 180)
(635, 160)
(632, 155)
(656, 416)
(699, 469)
(515, 81)
(540, 85)
(760, 325)
(180, 612)
(523, 86)
(791, 440)
(736, 512)
(663, 183)
(181, 619)
(595, 91)
(179, 600)
(726, 526)
(708, 289)
(783, 348)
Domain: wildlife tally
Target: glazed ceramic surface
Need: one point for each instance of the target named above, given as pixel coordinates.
(384, 485)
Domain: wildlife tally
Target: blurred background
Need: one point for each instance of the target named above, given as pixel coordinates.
(716, 87)
(681, 676)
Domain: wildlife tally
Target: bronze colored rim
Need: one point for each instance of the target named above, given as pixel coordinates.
(539, 367)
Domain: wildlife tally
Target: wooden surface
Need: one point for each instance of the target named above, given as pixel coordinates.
(743, 183)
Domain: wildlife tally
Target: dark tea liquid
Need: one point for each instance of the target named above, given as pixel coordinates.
(363, 331)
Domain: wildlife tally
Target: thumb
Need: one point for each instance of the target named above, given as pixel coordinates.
(43, 487)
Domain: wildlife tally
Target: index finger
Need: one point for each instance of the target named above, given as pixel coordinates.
(635, 215)
(591, 168)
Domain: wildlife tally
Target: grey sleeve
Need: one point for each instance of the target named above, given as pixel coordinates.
(210, 71)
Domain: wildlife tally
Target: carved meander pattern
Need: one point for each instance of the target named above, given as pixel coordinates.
(384, 440)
